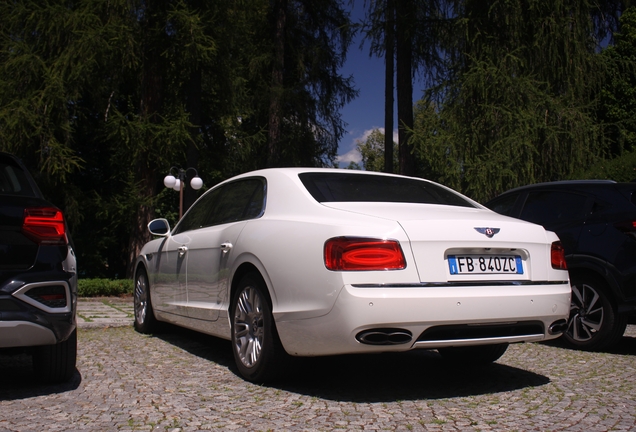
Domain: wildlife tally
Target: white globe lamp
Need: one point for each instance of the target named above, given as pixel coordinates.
(169, 181)
(196, 183)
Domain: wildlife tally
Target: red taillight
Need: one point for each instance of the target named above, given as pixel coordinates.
(557, 256)
(352, 253)
(44, 225)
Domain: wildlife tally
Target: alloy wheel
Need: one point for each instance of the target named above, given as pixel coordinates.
(141, 298)
(248, 326)
(586, 313)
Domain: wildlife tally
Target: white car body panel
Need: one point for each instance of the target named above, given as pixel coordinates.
(320, 312)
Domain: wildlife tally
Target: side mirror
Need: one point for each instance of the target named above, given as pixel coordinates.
(159, 227)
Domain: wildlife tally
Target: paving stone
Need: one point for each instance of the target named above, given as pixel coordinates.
(180, 380)
(105, 312)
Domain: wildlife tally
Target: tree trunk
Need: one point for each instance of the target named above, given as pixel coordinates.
(139, 234)
(149, 107)
(274, 133)
(192, 154)
(389, 35)
(404, 15)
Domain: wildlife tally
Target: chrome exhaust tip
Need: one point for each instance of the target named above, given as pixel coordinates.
(384, 336)
(558, 327)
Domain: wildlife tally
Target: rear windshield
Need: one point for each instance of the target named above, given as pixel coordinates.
(344, 187)
(13, 179)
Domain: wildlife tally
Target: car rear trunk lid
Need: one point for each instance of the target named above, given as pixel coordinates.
(444, 240)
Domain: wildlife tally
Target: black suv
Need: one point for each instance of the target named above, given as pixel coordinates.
(596, 222)
(38, 278)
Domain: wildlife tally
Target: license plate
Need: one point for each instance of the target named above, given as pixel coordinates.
(485, 264)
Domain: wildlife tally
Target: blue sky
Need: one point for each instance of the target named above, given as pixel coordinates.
(366, 112)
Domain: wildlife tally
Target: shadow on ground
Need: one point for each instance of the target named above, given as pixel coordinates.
(625, 346)
(19, 382)
(370, 377)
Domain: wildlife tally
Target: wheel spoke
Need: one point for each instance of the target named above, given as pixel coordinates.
(577, 297)
(591, 324)
(592, 304)
(241, 330)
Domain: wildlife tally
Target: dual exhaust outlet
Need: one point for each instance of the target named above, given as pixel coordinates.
(397, 336)
(384, 336)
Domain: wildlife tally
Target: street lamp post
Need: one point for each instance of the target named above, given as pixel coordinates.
(177, 182)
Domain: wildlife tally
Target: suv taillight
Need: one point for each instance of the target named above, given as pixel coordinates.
(354, 253)
(557, 256)
(44, 225)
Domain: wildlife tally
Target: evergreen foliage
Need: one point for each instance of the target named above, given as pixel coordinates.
(518, 104)
(617, 108)
(102, 97)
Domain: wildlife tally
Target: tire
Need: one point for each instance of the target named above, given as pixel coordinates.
(257, 350)
(56, 363)
(478, 355)
(594, 323)
(145, 321)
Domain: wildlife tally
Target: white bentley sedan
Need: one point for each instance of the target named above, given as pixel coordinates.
(314, 262)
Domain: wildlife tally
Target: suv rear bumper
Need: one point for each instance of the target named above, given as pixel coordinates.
(24, 333)
(31, 320)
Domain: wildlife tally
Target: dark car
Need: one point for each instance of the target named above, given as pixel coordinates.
(596, 222)
(38, 278)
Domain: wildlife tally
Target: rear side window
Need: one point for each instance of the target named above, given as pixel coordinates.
(13, 179)
(554, 207)
(344, 187)
(503, 205)
(232, 202)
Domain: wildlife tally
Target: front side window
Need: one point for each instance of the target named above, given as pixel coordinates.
(344, 187)
(232, 202)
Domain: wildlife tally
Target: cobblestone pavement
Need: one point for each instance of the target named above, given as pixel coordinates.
(183, 381)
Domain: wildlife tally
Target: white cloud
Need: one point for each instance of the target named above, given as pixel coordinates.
(352, 154)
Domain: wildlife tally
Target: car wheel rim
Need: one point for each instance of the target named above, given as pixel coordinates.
(141, 299)
(586, 313)
(248, 326)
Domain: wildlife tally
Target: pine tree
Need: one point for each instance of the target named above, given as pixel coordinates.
(517, 105)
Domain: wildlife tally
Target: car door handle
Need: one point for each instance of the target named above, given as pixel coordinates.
(182, 250)
(225, 247)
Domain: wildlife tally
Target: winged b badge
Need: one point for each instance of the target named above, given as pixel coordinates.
(488, 232)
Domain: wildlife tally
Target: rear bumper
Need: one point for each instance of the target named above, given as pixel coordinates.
(24, 334)
(420, 316)
(28, 320)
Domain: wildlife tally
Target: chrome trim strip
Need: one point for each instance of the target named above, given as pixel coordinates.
(24, 334)
(459, 284)
(480, 341)
(21, 294)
